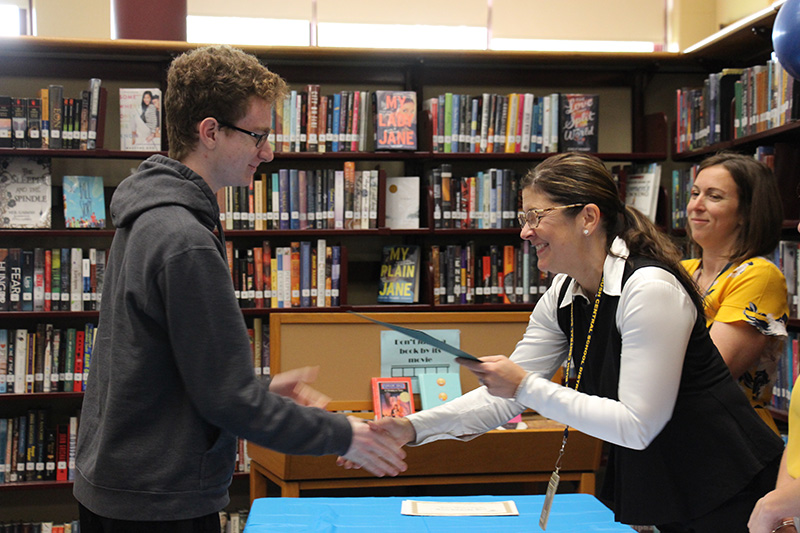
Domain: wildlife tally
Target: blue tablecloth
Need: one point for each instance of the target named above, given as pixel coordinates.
(570, 513)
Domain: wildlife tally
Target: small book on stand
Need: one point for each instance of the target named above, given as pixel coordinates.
(392, 397)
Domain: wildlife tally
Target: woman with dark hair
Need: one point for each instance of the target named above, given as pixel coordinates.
(735, 215)
(687, 453)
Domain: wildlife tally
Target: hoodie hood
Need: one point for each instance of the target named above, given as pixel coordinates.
(161, 181)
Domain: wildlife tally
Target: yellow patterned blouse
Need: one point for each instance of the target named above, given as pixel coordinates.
(753, 291)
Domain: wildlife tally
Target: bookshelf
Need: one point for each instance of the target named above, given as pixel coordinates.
(632, 130)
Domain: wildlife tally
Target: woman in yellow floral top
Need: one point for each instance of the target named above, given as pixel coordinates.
(735, 215)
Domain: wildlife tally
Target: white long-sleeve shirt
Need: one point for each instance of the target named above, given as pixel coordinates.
(655, 316)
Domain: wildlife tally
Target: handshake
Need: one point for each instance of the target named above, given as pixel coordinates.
(377, 446)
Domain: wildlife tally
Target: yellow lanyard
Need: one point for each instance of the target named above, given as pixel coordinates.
(583, 358)
(552, 485)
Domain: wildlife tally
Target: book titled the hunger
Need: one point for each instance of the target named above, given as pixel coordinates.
(395, 120)
(399, 275)
(392, 397)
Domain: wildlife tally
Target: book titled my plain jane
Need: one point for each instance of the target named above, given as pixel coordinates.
(399, 282)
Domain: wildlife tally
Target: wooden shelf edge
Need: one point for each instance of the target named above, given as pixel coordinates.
(46, 485)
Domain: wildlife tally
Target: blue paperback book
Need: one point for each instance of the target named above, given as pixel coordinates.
(84, 202)
(436, 389)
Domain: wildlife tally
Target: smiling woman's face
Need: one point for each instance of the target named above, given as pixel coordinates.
(713, 208)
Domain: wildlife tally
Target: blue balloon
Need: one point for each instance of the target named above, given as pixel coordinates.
(786, 37)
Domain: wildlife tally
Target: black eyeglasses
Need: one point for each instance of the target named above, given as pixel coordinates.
(259, 137)
(533, 216)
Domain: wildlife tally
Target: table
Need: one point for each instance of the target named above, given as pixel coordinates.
(574, 513)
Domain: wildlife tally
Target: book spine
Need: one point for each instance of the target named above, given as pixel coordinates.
(336, 275)
(27, 280)
(19, 122)
(76, 279)
(4, 279)
(305, 274)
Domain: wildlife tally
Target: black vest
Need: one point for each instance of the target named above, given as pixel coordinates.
(711, 448)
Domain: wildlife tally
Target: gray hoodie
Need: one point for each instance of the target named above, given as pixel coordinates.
(171, 381)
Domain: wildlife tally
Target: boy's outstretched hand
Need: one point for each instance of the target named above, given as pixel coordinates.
(374, 450)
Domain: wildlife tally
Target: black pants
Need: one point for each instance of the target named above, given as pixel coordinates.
(731, 516)
(92, 523)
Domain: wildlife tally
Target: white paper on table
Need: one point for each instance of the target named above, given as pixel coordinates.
(428, 508)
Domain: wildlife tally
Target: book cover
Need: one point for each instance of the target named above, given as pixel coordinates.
(578, 114)
(641, 189)
(140, 119)
(437, 389)
(395, 120)
(84, 202)
(402, 202)
(399, 274)
(392, 397)
(25, 192)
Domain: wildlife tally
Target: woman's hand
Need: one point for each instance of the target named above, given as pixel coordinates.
(498, 373)
(400, 430)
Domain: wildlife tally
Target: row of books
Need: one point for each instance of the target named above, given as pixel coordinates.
(33, 448)
(788, 372)
(233, 521)
(303, 199)
(308, 121)
(733, 103)
(58, 279)
(40, 527)
(54, 120)
(303, 274)
(787, 257)
(259, 343)
(490, 199)
(47, 359)
(513, 123)
(466, 274)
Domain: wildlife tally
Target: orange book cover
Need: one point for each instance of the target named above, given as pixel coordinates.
(349, 192)
(511, 123)
(509, 258)
(266, 260)
(229, 254)
(392, 397)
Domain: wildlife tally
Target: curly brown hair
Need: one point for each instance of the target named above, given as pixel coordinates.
(213, 81)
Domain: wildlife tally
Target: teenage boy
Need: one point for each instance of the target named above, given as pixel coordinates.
(172, 383)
